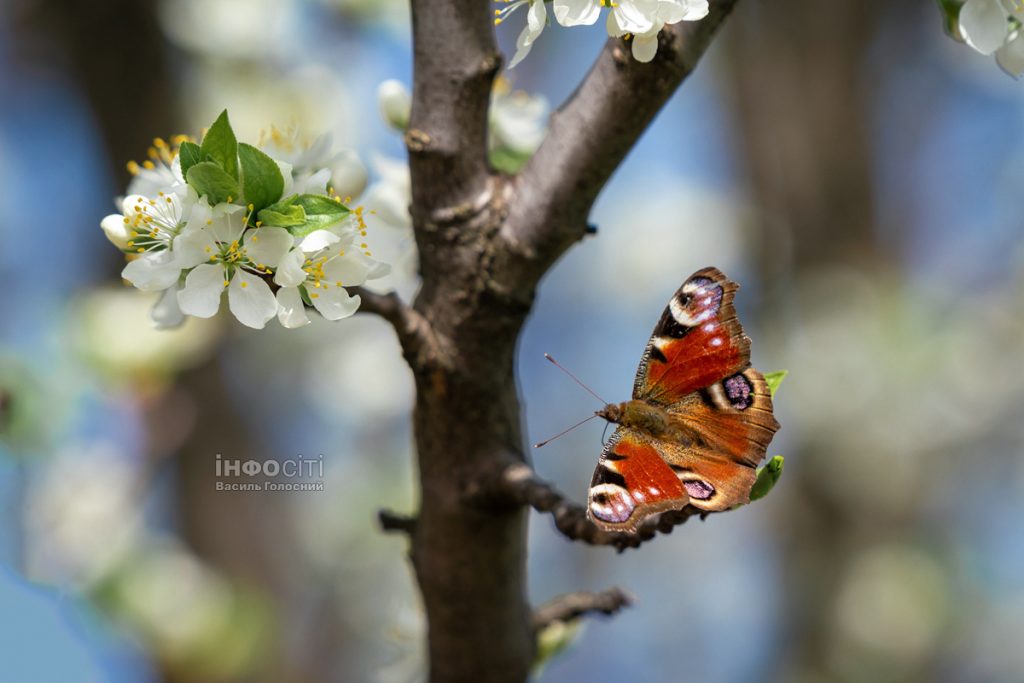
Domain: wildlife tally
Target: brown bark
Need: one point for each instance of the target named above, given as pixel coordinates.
(485, 240)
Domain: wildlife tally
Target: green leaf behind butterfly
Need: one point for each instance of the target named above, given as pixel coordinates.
(767, 477)
(774, 379)
(207, 178)
(262, 182)
(220, 145)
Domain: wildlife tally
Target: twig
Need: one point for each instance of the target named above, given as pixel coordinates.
(575, 605)
(392, 521)
(419, 342)
(521, 483)
(591, 134)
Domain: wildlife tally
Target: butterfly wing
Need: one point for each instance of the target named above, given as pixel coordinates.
(632, 481)
(731, 423)
(697, 341)
(696, 368)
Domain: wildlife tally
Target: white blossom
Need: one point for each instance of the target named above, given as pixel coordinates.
(536, 20)
(395, 104)
(994, 26)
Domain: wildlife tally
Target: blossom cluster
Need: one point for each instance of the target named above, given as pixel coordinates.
(262, 222)
(638, 20)
(994, 26)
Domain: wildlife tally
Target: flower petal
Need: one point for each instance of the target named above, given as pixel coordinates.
(291, 312)
(116, 230)
(201, 294)
(166, 313)
(645, 46)
(268, 246)
(194, 247)
(251, 300)
(153, 272)
(348, 174)
(289, 270)
(577, 12)
(312, 183)
(1010, 57)
(349, 270)
(984, 24)
(334, 303)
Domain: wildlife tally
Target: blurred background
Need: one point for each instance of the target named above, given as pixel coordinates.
(858, 172)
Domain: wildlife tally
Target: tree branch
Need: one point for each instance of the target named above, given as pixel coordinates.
(591, 134)
(419, 342)
(393, 521)
(575, 605)
(455, 58)
(522, 485)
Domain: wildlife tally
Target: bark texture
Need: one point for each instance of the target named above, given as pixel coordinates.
(485, 240)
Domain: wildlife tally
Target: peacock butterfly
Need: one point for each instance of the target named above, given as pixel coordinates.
(700, 419)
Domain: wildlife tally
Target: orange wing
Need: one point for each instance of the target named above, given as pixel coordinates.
(732, 424)
(632, 481)
(697, 342)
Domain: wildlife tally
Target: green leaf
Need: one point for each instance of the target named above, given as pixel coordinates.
(767, 477)
(262, 182)
(303, 214)
(774, 379)
(553, 640)
(190, 156)
(508, 160)
(951, 18)
(207, 178)
(221, 145)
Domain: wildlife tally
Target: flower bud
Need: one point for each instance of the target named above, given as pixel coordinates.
(395, 104)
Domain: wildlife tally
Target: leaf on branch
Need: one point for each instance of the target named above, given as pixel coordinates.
(190, 156)
(262, 182)
(209, 179)
(303, 214)
(553, 640)
(221, 146)
(767, 477)
(774, 379)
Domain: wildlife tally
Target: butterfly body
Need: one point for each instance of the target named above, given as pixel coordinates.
(700, 419)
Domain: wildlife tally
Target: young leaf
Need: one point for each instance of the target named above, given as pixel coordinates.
(774, 379)
(190, 156)
(221, 146)
(303, 214)
(767, 476)
(262, 182)
(207, 178)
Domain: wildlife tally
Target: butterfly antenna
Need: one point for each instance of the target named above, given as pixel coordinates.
(575, 379)
(563, 433)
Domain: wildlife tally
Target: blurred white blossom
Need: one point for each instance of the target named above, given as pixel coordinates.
(994, 26)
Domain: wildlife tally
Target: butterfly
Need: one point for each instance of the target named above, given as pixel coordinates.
(700, 419)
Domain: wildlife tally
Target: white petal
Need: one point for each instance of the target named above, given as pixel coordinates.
(114, 228)
(291, 312)
(1010, 57)
(153, 272)
(536, 18)
(348, 174)
(577, 12)
(267, 246)
(312, 183)
(317, 240)
(194, 247)
(395, 102)
(289, 271)
(251, 300)
(349, 270)
(166, 313)
(334, 303)
(201, 294)
(286, 173)
(984, 25)
(635, 16)
(645, 46)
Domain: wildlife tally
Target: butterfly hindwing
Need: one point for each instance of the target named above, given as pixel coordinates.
(632, 481)
(732, 423)
(697, 341)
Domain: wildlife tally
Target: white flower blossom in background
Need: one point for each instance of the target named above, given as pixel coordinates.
(395, 104)
(518, 120)
(271, 224)
(641, 19)
(994, 26)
